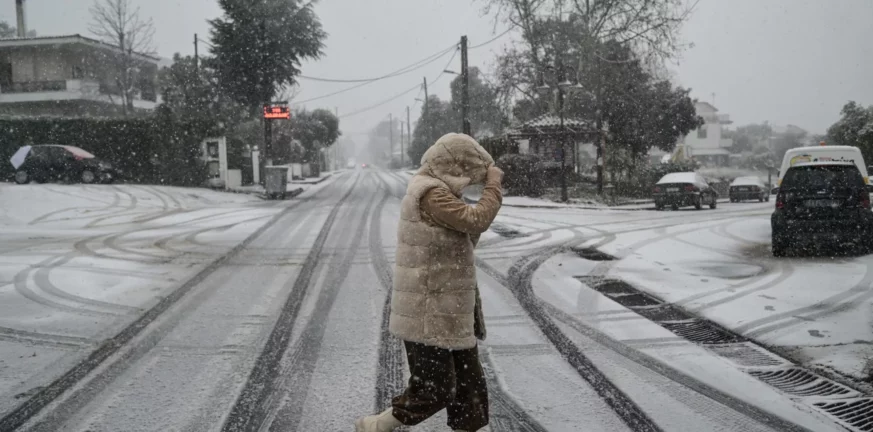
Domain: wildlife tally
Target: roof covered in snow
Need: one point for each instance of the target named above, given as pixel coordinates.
(747, 181)
(67, 39)
(549, 124)
(681, 177)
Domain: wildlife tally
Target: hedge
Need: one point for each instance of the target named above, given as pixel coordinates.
(154, 150)
(523, 174)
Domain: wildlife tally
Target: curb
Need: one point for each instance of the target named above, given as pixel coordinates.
(288, 195)
(305, 182)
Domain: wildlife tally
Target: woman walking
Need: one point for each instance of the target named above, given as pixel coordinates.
(435, 308)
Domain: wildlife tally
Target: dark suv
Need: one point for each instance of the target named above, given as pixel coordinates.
(821, 203)
(49, 162)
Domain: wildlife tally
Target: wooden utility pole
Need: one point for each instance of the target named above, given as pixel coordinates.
(465, 88)
(391, 137)
(196, 53)
(427, 130)
(408, 135)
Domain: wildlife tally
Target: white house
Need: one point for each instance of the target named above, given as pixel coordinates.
(69, 76)
(705, 143)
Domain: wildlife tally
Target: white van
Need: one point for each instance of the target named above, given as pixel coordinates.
(823, 154)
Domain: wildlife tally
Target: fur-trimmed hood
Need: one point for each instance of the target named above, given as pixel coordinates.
(457, 160)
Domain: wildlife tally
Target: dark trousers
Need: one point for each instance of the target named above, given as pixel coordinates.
(441, 378)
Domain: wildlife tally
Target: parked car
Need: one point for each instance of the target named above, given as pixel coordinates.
(50, 162)
(819, 203)
(682, 190)
(748, 188)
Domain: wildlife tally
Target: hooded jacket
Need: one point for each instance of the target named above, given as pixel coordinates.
(435, 295)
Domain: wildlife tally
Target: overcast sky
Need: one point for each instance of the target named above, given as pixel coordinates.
(786, 61)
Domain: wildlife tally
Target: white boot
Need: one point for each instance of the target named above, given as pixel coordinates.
(384, 422)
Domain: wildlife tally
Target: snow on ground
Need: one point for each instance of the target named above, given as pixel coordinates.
(718, 264)
(78, 262)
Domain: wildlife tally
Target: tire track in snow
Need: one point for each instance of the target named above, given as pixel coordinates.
(116, 200)
(846, 300)
(296, 376)
(389, 377)
(519, 284)
(248, 410)
(44, 339)
(521, 276)
(97, 358)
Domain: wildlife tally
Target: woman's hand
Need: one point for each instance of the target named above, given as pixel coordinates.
(494, 175)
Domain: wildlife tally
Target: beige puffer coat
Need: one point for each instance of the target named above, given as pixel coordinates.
(435, 290)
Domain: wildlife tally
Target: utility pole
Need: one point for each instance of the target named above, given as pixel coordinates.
(465, 88)
(336, 143)
(196, 53)
(427, 130)
(391, 137)
(408, 136)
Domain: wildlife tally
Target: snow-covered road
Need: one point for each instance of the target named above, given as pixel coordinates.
(150, 309)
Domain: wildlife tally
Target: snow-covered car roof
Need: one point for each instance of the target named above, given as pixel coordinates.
(747, 181)
(682, 177)
(76, 151)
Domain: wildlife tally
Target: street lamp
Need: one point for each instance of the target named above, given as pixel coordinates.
(562, 87)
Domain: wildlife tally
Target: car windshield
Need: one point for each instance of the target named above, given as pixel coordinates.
(436, 215)
(823, 177)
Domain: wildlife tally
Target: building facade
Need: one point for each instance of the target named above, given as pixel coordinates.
(706, 144)
(71, 76)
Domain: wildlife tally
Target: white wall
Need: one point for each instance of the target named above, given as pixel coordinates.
(712, 127)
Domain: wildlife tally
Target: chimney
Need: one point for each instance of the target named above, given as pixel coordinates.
(19, 12)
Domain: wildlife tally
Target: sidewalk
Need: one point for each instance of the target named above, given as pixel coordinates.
(311, 181)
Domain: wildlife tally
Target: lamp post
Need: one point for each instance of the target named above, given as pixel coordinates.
(564, 85)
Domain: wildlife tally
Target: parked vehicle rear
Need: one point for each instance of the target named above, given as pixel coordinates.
(748, 188)
(683, 190)
(821, 203)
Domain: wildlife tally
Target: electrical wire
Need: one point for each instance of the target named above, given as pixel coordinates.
(492, 39)
(395, 73)
(393, 98)
(417, 65)
(399, 95)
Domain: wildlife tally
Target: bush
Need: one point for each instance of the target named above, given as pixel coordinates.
(155, 150)
(523, 174)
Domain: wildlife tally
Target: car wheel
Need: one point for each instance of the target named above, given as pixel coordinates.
(761, 198)
(22, 177)
(674, 206)
(714, 203)
(767, 198)
(698, 203)
(88, 176)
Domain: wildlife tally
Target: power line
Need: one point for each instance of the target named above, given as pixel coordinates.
(399, 95)
(492, 39)
(395, 73)
(417, 65)
(393, 98)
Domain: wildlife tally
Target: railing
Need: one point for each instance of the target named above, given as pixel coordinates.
(34, 87)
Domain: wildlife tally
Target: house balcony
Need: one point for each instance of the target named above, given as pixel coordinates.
(69, 90)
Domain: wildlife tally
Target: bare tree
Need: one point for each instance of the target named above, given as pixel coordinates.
(650, 27)
(119, 24)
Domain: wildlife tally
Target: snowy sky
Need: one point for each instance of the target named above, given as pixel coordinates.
(786, 61)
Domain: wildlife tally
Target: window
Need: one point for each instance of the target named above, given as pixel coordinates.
(701, 132)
